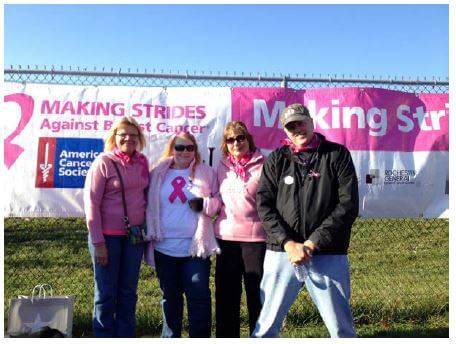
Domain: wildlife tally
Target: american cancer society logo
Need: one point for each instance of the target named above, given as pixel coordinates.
(64, 162)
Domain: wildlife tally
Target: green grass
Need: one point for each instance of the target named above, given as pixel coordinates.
(399, 274)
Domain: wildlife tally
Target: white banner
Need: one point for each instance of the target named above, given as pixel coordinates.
(402, 184)
(53, 132)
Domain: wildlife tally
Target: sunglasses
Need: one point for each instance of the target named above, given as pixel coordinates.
(292, 126)
(181, 148)
(238, 139)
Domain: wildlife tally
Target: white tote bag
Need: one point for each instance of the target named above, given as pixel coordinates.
(40, 313)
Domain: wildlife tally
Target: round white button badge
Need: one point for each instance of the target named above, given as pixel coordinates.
(288, 180)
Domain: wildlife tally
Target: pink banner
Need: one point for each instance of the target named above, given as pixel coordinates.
(364, 119)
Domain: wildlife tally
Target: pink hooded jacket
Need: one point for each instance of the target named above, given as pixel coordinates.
(238, 219)
(103, 196)
(204, 243)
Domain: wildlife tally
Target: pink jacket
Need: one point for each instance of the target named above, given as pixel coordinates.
(203, 242)
(238, 219)
(103, 196)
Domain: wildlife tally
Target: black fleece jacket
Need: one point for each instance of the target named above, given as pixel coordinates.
(318, 202)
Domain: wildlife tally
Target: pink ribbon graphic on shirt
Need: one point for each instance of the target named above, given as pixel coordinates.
(178, 184)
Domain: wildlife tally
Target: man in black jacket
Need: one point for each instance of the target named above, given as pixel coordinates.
(307, 200)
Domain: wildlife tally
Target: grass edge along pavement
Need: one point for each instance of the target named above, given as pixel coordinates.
(399, 282)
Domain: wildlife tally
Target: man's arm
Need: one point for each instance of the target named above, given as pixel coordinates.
(336, 227)
(266, 199)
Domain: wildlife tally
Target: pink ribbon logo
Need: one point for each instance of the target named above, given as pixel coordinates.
(312, 173)
(12, 150)
(178, 184)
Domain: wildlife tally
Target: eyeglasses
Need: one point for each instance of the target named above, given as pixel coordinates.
(238, 139)
(124, 136)
(181, 148)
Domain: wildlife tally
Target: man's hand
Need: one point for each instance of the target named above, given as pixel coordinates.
(101, 255)
(299, 253)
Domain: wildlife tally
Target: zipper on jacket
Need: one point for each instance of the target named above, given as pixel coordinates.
(303, 200)
(305, 169)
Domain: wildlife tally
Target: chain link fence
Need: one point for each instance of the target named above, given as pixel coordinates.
(214, 79)
(399, 267)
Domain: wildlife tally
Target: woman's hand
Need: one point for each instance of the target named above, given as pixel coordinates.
(101, 255)
(196, 204)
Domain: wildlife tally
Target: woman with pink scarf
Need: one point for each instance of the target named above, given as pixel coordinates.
(179, 222)
(116, 261)
(239, 231)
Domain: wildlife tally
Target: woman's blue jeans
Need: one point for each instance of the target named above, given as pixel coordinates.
(189, 276)
(115, 290)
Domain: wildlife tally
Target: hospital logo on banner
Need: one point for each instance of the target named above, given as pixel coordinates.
(64, 162)
(391, 176)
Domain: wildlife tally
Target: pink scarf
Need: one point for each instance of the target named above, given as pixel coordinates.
(135, 158)
(239, 165)
(312, 145)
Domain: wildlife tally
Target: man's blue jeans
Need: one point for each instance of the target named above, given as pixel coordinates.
(189, 276)
(328, 284)
(115, 290)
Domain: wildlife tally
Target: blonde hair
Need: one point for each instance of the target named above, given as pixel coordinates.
(169, 149)
(110, 139)
(240, 128)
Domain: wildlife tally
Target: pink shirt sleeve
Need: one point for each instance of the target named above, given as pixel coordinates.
(212, 204)
(93, 194)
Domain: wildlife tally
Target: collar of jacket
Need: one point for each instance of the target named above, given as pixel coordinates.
(165, 164)
(137, 157)
(286, 151)
(257, 156)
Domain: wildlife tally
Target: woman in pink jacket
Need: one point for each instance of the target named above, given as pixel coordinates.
(116, 261)
(239, 231)
(179, 221)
